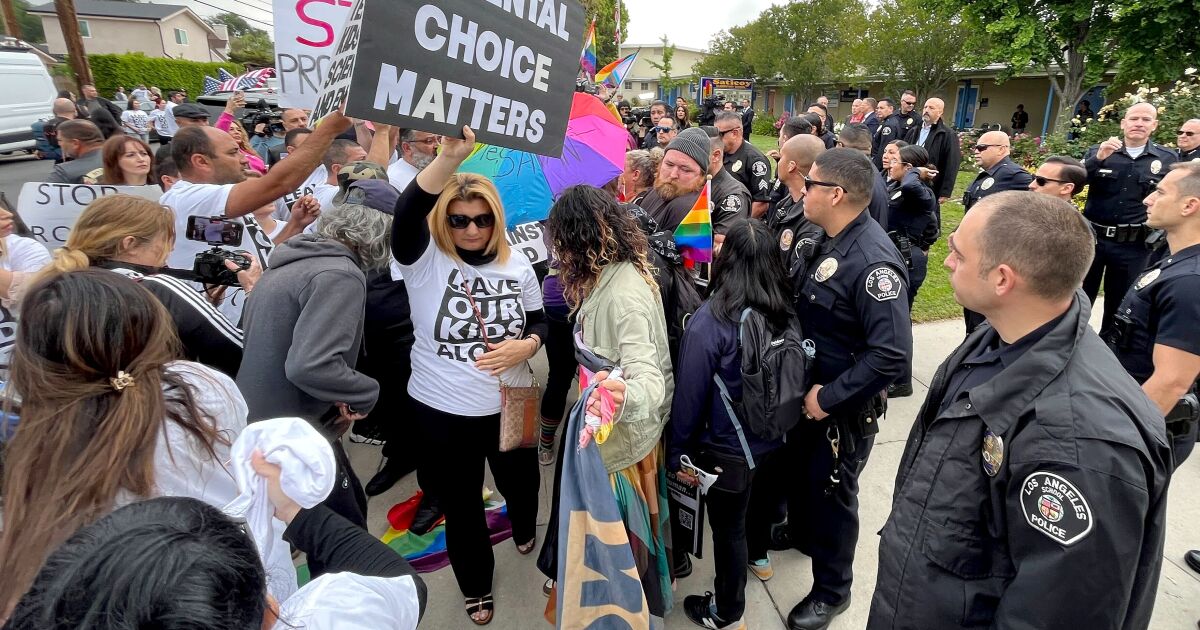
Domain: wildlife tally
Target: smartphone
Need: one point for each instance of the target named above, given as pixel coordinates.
(214, 230)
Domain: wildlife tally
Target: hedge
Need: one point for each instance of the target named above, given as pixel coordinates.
(129, 70)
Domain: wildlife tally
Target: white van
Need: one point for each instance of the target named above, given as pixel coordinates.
(27, 97)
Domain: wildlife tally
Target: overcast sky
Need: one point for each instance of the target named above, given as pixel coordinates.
(691, 27)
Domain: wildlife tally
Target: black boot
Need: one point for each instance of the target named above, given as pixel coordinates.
(813, 614)
(393, 470)
(427, 517)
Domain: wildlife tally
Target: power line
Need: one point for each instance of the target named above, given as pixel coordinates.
(248, 19)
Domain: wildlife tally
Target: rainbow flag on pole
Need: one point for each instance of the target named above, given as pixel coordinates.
(694, 236)
(614, 73)
(587, 60)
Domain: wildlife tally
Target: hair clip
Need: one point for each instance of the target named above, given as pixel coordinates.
(122, 380)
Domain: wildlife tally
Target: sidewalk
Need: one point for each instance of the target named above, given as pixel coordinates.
(519, 600)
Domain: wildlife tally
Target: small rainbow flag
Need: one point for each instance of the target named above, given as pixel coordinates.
(614, 73)
(587, 60)
(694, 236)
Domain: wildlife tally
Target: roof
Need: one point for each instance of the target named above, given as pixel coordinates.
(106, 8)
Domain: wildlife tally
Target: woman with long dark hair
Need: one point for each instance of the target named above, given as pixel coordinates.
(609, 283)
(913, 210)
(109, 416)
(682, 117)
(748, 273)
(127, 161)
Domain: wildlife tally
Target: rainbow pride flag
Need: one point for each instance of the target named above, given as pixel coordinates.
(587, 60)
(694, 236)
(428, 553)
(614, 73)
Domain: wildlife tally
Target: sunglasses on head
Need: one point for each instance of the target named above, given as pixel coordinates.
(462, 221)
(1042, 181)
(979, 148)
(1183, 132)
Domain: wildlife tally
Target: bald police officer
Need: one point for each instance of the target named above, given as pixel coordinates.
(1032, 489)
(1188, 139)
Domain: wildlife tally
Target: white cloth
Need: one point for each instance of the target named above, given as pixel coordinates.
(141, 95)
(346, 601)
(324, 194)
(23, 255)
(206, 200)
(308, 474)
(136, 121)
(400, 173)
(448, 339)
(169, 125)
(279, 225)
(1134, 152)
(308, 187)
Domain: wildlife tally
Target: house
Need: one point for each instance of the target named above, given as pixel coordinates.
(156, 30)
(644, 78)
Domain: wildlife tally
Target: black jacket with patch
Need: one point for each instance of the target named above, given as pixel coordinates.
(1067, 533)
(730, 201)
(891, 128)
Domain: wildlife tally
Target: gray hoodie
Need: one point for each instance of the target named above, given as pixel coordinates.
(303, 328)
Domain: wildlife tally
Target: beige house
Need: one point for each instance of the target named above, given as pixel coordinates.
(157, 30)
(644, 78)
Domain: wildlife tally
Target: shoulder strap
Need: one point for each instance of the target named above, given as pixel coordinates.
(737, 426)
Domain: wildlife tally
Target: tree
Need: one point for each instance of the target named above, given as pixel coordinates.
(30, 25)
(727, 55)
(804, 45)
(912, 44)
(252, 48)
(665, 80)
(1149, 27)
(237, 25)
(607, 50)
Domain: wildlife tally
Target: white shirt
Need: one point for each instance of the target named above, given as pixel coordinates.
(324, 194)
(21, 255)
(308, 187)
(170, 127)
(448, 338)
(206, 200)
(1134, 152)
(141, 95)
(136, 120)
(400, 173)
(182, 468)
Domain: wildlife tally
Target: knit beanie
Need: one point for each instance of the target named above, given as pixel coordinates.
(692, 142)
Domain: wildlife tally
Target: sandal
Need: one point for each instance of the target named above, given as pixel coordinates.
(527, 548)
(477, 605)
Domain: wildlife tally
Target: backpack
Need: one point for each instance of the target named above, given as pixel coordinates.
(775, 377)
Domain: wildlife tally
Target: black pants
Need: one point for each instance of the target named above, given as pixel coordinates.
(916, 278)
(824, 516)
(768, 502)
(455, 449)
(1119, 264)
(560, 354)
(727, 517)
(346, 499)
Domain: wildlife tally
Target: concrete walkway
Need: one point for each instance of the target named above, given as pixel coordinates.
(520, 604)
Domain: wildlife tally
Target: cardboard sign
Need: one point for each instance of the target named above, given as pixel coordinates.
(51, 209)
(305, 36)
(506, 68)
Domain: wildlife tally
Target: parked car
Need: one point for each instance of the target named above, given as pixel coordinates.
(27, 97)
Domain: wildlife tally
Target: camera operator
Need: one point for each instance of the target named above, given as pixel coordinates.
(213, 182)
(267, 128)
(290, 119)
(658, 110)
(709, 108)
(630, 121)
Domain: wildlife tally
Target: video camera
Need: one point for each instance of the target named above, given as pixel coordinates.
(709, 108)
(587, 87)
(640, 115)
(209, 266)
(264, 115)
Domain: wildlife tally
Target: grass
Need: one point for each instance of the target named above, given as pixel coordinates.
(935, 301)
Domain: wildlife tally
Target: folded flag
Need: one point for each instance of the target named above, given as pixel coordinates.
(614, 73)
(587, 61)
(694, 236)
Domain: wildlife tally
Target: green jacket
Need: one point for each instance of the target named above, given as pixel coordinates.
(623, 321)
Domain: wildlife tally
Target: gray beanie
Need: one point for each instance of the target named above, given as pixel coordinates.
(694, 143)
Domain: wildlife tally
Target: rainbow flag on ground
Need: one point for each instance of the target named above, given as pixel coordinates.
(694, 236)
(428, 553)
(614, 73)
(587, 60)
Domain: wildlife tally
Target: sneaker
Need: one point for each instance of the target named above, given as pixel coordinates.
(702, 611)
(762, 569)
(370, 438)
(545, 455)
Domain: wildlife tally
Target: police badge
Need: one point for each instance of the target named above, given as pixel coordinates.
(825, 270)
(1146, 279)
(993, 453)
(1156, 167)
(987, 183)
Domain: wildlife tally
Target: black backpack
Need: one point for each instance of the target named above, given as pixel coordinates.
(775, 378)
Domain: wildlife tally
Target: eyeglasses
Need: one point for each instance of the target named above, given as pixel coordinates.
(429, 142)
(1041, 181)
(722, 133)
(909, 102)
(980, 148)
(663, 129)
(462, 221)
(808, 183)
(1182, 132)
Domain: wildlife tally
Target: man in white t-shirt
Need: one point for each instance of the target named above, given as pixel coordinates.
(171, 126)
(213, 182)
(417, 150)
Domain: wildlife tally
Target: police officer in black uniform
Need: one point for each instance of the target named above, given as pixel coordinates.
(999, 174)
(795, 126)
(786, 219)
(909, 118)
(853, 307)
(890, 127)
(729, 197)
(1120, 175)
(745, 162)
(1032, 489)
(1188, 139)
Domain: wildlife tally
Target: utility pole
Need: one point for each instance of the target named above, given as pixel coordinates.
(12, 26)
(75, 53)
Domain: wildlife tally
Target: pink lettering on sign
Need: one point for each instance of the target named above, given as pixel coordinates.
(311, 21)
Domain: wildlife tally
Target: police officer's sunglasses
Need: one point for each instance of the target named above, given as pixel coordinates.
(1041, 181)
(808, 183)
(980, 148)
(1182, 132)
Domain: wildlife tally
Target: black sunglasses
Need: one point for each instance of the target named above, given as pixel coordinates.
(462, 221)
(983, 147)
(1181, 132)
(1041, 181)
(812, 182)
(722, 133)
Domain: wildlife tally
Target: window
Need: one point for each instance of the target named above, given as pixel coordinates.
(629, 85)
(645, 86)
(85, 30)
(181, 37)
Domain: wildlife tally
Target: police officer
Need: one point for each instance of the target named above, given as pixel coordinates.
(745, 162)
(1120, 175)
(786, 219)
(908, 114)
(999, 174)
(729, 198)
(890, 127)
(1032, 489)
(852, 305)
(1188, 139)
(1154, 334)
(795, 126)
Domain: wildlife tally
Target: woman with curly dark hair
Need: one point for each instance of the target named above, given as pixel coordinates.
(609, 283)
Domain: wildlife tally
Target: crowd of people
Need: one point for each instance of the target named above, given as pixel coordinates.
(358, 281)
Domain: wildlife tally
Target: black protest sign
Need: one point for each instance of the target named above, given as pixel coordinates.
(506, 68)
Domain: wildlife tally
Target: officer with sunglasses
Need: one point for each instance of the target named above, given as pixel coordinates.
(1188, 139)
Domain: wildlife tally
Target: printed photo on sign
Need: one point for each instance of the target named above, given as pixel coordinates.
(506, 69)
(456, 329)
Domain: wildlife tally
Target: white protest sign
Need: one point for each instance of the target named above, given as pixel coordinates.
(526, 239)
(305, 34)
(51, 209)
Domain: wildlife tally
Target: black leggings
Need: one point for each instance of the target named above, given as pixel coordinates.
(560, 354)
(455, 448)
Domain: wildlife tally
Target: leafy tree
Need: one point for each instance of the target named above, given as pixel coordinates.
(727, 55)
(252, 48)
(30, 25)
(237, 25)
(914, 45)
(665, 79)
(1160, 38)
(607, 50)
(804, 44)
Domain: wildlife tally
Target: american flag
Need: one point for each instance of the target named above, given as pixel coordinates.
(229, 83)
(211, 85)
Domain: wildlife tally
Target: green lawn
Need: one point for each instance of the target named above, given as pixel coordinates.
(935, 300)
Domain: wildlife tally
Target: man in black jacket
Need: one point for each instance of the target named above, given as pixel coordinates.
(941, 142)
(101, 111)
(890, 128)
(1037, 465)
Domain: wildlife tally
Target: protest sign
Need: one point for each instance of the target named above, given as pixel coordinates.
(687, 509)
(305, 35)
(526, 239)
(51, 209)
(506, 68)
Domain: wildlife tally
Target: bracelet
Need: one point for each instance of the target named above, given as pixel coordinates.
(537, 342)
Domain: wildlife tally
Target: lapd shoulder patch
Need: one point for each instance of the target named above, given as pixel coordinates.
(730, 203)
(758, 168)
(887, 131)
(1055, 507)
(884, 284)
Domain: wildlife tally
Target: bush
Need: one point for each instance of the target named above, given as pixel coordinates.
(128, 70)
(764, 125)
